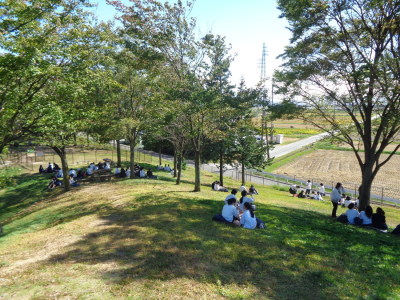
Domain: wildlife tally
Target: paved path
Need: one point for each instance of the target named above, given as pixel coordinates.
(286, 149)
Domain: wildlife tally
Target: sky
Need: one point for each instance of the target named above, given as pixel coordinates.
(246, 25)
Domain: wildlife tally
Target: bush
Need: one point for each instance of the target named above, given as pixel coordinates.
(7, 177)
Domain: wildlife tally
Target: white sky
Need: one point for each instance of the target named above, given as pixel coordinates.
(246, 26)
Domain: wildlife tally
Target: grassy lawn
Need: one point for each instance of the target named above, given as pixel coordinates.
(151, 239)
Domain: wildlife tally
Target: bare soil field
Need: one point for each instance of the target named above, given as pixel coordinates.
(330, 166)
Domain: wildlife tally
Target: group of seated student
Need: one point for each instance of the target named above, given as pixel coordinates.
(166, 168)
(366, 217)
(51, 168)
(216, 186)
(54, 183)
(315, 195)
(242, 215)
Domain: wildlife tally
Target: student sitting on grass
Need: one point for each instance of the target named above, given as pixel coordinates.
(351, 213)
(301, 194)
(142, 173)
(72, 182)
(379, 219)
(230, 213)
(317, 196)
(252, 190)
(41, 169)
(248, 219)
(366, 216)
(232, 195)
(150, 174)
(54, 183)
(122, 173)
(244, 200)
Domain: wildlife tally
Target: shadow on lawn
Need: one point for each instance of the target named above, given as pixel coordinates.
(301, 255)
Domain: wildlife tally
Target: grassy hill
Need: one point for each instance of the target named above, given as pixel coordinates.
(151, 239)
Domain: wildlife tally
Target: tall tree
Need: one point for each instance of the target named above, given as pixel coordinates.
(345, 54)
(30, 40)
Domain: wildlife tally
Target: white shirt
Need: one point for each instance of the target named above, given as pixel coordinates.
(318, 197)
(351, 215)
(142, 174)
(308, 186)
(216, 187)
(247, 221)
(229, 211)
(230, 196)
(128, 173)
(322, 189)
(60, 173)
(242, 188)
(89, 171)
(117, 170)
(72, 172)
(347, 202)
(366, 220)
(336, 195)
(168, 169)
(107, 167)
(245, 199)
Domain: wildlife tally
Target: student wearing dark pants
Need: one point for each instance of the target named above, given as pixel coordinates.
(335, 197)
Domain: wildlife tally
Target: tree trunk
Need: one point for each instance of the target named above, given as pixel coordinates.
(197, 171)
(179, 165)
(159, 155)
(365, 187)
(175, 163)
(243, 174)
(221, 169)
(64, 166)
(132, 157)
(118, 153)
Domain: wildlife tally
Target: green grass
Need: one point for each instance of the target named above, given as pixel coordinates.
(151, 239)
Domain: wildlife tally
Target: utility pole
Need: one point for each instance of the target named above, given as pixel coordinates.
(264, 101)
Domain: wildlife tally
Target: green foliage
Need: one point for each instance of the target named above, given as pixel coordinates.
(7, 177)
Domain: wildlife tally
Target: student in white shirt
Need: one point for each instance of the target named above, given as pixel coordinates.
(366, 215)
(317, 196)
(60, 173)
(248, 219)
(351, 213)
(117, 171)
(322, 189)
(230, 212)
(232, 195)
(243, 188)
(128, 173)
(244, 200)
(308, 187)
(72, 172)
(142, 173)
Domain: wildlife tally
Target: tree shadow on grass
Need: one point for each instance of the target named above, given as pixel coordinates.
(300, 255)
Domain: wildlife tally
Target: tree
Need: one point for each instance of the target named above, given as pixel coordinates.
(30, 35)
(344, 57)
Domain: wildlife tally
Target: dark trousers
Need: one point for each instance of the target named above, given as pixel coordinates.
(335, 205)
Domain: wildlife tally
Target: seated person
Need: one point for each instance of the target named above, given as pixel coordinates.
(244, 200)
(218, 187)
(242, 188)
(49, 168)
(317, 196)
(142, 173)
(54, 183)
(252, 190)
(127, 173)
(167, 168)
(107, 166)
(117, 170)
(80, 174)
(150, 174)
(72, 182)
(56, 167)
(248, 219)
(60, 173)
(89, 171)
(230, 212)
(41, 169)
(232, 195)
(351, 213)
(72, 172)
(379, 219)
(293, 189)
(301, 194)
(347, 201)
(122, 173)
(366, 215)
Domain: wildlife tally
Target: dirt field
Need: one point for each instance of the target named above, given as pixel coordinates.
(329, 167)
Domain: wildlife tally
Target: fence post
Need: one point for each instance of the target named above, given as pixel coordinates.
(382, 196)
(263, 180)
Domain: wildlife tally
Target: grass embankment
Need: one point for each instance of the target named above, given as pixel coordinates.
(151, 239)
